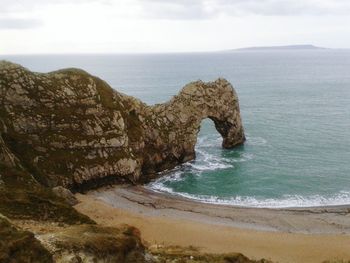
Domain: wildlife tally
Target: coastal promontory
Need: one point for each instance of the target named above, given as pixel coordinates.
(68, 131)
(71, 129)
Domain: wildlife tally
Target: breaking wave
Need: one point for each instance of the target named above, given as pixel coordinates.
(210, 158)
(286, 201)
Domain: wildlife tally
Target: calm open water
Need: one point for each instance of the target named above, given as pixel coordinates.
(295, 107)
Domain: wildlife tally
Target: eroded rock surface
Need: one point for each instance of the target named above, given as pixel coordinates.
(71, 129)
(17, 245)
(67, 195)
(91, 243)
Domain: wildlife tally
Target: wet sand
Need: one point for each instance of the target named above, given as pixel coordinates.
(282, 235)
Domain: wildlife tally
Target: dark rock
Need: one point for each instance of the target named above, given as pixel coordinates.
(18, 246)
(65, 194)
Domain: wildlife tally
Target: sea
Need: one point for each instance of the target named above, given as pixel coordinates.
(295, 106)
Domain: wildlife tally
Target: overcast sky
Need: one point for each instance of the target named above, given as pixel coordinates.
(124, 26)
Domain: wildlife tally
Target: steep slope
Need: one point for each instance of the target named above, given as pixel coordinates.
(68, 128)
(71, 129)
(20, 246)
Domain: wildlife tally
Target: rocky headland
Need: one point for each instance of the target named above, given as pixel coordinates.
(69, 131)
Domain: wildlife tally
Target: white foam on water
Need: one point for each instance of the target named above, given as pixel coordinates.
(243, 158)
(174, 177)
(216, 140)
(209, 166)
(206, 161)
(209, 140)
(341, 198)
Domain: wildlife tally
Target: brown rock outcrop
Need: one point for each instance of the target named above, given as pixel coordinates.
(17, 245)
(68, 129)
(71, 129)
(92, 243)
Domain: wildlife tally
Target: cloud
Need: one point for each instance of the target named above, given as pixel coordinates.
(20, 14)
(204, 9)
(177, 9)
(287, 7)
(26, 5)
(19, 23)
(189, 9)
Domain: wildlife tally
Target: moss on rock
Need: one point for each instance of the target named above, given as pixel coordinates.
(92, 243)
(17, 246)
(72, 129)
(22, 197)
(69, 128)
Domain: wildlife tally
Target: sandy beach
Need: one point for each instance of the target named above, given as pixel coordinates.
(281, 235)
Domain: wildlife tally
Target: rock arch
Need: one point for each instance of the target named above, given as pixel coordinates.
(178, 121)
(72, 129)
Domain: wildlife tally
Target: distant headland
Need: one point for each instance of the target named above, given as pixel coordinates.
(273, 48)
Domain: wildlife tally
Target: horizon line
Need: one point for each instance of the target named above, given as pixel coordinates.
(242, 49)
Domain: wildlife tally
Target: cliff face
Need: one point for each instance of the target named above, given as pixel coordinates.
(70, 128)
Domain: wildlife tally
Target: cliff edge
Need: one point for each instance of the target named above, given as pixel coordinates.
(71, 129)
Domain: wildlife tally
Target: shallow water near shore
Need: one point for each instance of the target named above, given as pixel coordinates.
(295, 109)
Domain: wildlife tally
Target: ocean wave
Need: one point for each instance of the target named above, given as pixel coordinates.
(207, 161)
(174, 177)
(257, 141)
(209, 166)
(212, 161)
(286, 201)
(212, 140)
(243, 158)
(208, 141)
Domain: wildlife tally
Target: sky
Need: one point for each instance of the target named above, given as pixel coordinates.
(143, 26)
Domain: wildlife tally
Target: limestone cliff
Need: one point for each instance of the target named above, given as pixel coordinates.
(68, 128)
(23, 197)
(72, 129)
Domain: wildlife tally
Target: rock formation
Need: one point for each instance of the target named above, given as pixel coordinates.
(92, 243)
(20, 246)
(71, 129)
(68, 129)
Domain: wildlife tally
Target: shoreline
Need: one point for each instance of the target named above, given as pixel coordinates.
(306, 220)
(281, 235)
(200, 201)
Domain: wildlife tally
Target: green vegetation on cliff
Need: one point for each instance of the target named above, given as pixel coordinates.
(70, 129)
(17, 246)
(177, 254)
(23, 199)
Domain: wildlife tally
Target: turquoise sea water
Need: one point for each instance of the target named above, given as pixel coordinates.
(295, 107)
